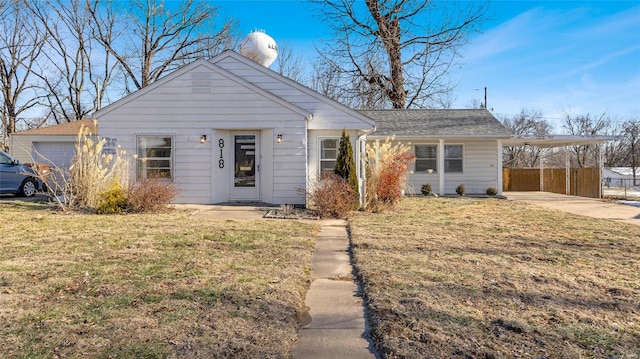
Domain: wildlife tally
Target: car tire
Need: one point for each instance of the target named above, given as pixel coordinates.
(28, 188)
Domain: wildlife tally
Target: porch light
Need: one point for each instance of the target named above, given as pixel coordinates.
(279, 138)
(203, 138)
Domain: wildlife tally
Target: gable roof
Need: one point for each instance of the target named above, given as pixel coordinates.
(437, 123)
(293, 84)
(68, 128)
(185, 69)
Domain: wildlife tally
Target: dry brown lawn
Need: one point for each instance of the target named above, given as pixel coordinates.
(149, 286)
(486, 278)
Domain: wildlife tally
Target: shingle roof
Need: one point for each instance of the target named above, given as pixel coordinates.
(67, 128)
(436, 123)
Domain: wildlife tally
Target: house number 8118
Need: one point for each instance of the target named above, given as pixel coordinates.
(221, 160)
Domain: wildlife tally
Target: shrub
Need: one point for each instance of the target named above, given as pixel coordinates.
(150, 195)
(491, 191)
(460, 190)
(346, 165)
(112, 201)
(426, 189)
(387, 169)
(331, 196)
(392, 177)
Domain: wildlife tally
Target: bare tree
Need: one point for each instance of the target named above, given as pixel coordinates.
(615, 152)
(154, 39)
(631, 137)
(325, 79)
(21, 42)
(526, 123)
(289, 64)
(397, 53)
(74, 72)
(586, 125)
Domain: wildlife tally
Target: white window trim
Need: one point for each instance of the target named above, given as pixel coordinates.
(173, 152)
(464, 162)
(320, 139)
(435, 169)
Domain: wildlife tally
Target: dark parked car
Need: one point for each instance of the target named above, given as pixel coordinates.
(17, 178)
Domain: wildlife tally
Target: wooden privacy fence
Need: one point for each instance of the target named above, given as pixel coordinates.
(584, 182)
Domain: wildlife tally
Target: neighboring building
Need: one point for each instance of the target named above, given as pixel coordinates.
(452, 147)
(53, 145)
(621, 177)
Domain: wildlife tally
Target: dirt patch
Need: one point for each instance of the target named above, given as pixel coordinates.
(295, 213)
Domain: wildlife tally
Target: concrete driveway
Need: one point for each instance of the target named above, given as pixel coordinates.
(591, 207)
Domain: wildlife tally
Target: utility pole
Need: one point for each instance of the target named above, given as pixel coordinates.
(485, 97)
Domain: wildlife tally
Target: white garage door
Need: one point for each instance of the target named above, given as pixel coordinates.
(56, 153)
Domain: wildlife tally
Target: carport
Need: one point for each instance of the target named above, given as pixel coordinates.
(554, 141)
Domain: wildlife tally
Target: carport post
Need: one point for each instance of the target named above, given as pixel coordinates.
(542, 172)
(601, 165)
(567, 175)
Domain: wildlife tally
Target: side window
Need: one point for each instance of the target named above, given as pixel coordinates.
(453, 158)
(426, 158)
(155, 157)
(328, 153)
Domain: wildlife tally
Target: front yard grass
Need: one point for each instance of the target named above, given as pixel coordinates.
(473, 278)
(149, 286)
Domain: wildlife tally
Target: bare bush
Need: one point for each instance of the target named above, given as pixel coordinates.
(150, 195)
(331, 196)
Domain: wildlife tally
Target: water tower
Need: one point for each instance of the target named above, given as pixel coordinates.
(259, 47)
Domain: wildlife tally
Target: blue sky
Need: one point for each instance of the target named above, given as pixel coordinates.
(555, 57)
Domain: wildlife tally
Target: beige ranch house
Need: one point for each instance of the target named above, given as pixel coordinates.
(229, 129)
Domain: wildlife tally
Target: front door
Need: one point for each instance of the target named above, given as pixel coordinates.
(246, 174)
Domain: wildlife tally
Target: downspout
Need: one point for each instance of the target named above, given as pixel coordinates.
(362, 177)
(440, 165)
(306, 159)
(499, 184)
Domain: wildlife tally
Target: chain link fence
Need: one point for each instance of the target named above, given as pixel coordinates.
(621, 188)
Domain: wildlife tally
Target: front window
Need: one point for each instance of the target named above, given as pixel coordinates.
(453, 158)
(425, 158)
(155, 157)
(328, 153)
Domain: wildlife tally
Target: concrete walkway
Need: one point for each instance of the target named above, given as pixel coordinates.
(591, 207)
(336, 325)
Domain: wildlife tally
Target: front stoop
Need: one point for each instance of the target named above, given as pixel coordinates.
(338, 328)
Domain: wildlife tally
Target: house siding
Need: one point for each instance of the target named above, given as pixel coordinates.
(327, 115)
(480, 167)
(228, 107)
